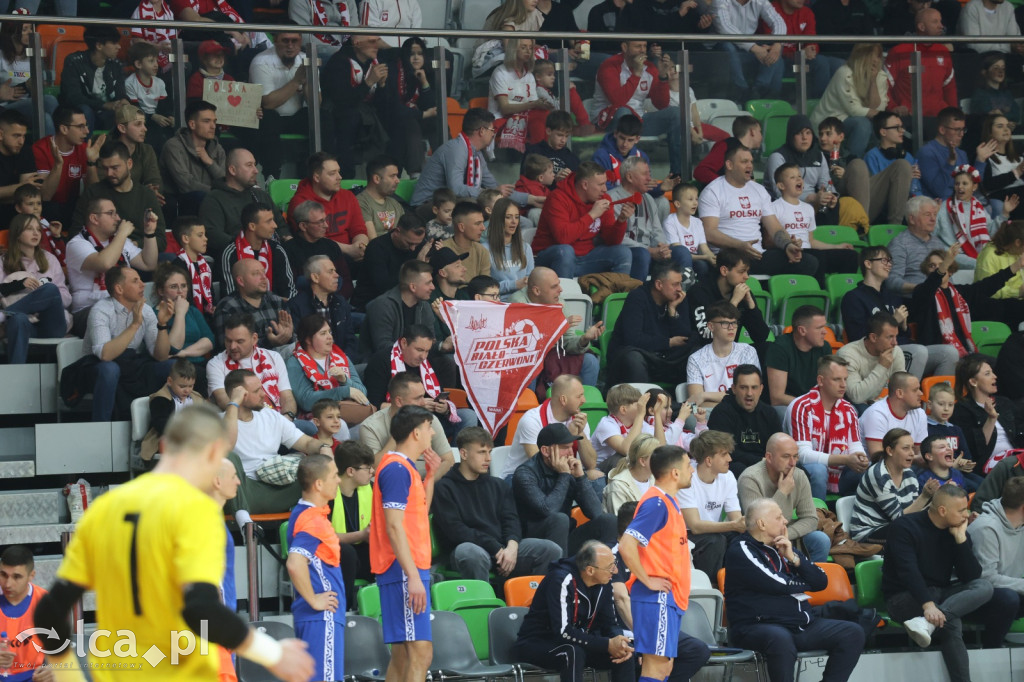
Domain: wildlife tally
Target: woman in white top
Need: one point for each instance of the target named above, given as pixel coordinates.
(16, 71)
(35, 296)
(511, 257)
(513, 94)
(857, 92)
(631, 477)
(1005, 168)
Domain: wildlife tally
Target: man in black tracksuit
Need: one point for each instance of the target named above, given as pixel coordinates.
(765, 579)
(750, 421)
(571, 624)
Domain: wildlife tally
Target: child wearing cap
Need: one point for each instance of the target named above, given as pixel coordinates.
(211, 65)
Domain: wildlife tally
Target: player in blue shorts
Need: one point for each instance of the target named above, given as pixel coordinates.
(400, 553)
(314, 565)
(654, 548)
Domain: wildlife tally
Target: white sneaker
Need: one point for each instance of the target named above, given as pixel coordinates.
(919, 630)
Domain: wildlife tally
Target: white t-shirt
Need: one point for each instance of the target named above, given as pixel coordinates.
(710, 498)
(84, 289)
(146, 97)
(16, 72)
(259, 439)
(526, 432)
(798, 219)
(518, 89)
(739, 209)
(691, 237)
(216, 370)
(714, 373)
(878, 420)
(606, 428)
(640, 94)
(268, 70)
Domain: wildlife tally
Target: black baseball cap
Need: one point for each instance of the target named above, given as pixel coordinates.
(555, 434)
(442, 258)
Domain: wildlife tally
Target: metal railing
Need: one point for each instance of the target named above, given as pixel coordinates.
(441, 62)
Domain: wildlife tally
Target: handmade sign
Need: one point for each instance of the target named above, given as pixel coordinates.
(500, 348)
(236, 102)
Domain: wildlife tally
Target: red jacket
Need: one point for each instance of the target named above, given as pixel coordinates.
(938, 84)
(608, 76)
(710, 167)
(565, 219)
(344, 217)
(799, 23)
(534, 187)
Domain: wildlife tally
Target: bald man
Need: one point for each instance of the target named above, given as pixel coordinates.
(543, 287)
(764, 577)
(938, 83)
(777, 477)
(221, 210)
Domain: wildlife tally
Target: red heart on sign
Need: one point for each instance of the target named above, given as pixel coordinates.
(234, 100)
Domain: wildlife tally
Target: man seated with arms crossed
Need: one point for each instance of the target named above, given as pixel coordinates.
(765, 581)
(23, 661)
(475, 518)
(166, 522)
(256, 435)
(827, 431)
(405, 388)
(571, 624)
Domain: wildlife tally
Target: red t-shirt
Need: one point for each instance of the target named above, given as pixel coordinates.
(72, 172)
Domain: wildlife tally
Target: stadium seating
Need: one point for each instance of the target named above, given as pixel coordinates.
(454, 652)
(930, 382)
(838, 234)
(789, 292)
(881, 235)
(519, 591)
(989, 335)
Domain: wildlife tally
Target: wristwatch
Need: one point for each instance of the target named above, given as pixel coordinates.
(290, 415)
(162, 327)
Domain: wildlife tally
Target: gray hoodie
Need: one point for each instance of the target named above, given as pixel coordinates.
(998, 546)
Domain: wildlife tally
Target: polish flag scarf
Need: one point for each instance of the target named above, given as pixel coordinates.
(202, 282)
(320, 19)
(263, 367)
(971, 222)
(947, 328)
(430, 383)
(321, 378)
(473, 171)
(243, 249)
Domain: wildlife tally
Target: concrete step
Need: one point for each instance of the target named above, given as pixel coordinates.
(32, 507)
(23, 468)
(33, 534)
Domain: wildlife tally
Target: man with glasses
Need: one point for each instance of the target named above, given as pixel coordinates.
(460, 165)
(221, 209)
(476, 520)
(133, 200)
(310, 238)
(940, 156)
(709, 369)
(66, 160)
(102, 244)
(891, 159)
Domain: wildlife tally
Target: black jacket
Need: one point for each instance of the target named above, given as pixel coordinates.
(565, 610)
(919, 555)
(760, 584)
(925, 313)
(643, 324)
(861, 302)
(991, 487)
(342, 327)
(540, 491)
(77, 80)
(970, 417)
(480, 511)
(751, 430)
(704, 294)
(1009, 367)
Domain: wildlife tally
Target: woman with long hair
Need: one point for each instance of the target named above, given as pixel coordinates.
(189, 334)
(992, 96)
(1002, 176)
(413, 84)
(987, 419)
(857, 92)
(632, 476)
(1006, 246)
(16, 71)
(511, 257)
(515, 15)
(35, 295)
(513, 94)
(889, 489)
(318, 369)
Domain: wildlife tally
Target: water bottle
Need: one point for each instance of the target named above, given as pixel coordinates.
(5, 646)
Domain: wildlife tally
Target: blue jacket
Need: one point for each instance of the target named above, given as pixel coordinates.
(565, 610)
(860, 303)
(606, 151)
(936, 173)
(760, 584)
(877, 163)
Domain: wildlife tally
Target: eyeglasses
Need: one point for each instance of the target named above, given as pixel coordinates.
(491, 297)
(899, 127)
(612, 568)
(109, 213)
(365, 467)
(322, 221)
(883, 259)
(490, 130)
(726, 324)
(80, 126)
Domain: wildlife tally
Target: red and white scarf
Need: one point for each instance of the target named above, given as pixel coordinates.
(320, 19)
(243, 249)
(946, 326)
(971, 222)
(321, 378)
(263, 367)
(409, 99)
(545, 407)
(54, 246)
(100, 279)
(427, 375)
(202, 282)
(622, 427)
(359, 75)
(512, 133)
(145, 10)
(474, 172)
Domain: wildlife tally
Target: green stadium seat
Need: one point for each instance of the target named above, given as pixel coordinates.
(282, 191)
(406, 186)
(881, 235)
(352, 184)
(368, 601)
(838, 234)
(837, 285)
(989, 336)
(868, 575)
(761, 109)
(775, 131)
(789, 292)
(473, 601)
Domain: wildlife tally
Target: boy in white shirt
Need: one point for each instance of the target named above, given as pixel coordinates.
(712, 493)
(797, 218)
(709, 369)
(148, 92)
(684, 228)
(616, 432)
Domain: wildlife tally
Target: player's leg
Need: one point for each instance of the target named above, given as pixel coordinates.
(656, 633)
(420, 653)
(398, 667)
